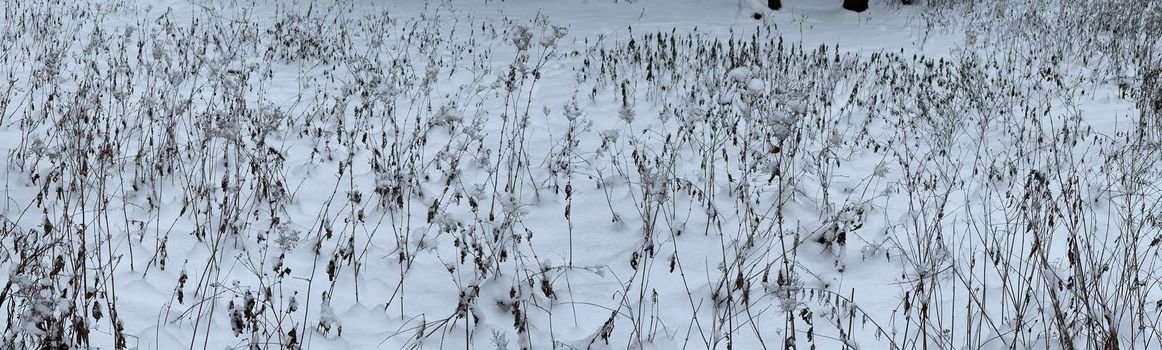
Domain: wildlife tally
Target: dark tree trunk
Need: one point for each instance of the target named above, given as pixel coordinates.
(855, 5)
(775, 4)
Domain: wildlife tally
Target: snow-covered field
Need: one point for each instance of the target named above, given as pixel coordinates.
(580, 174)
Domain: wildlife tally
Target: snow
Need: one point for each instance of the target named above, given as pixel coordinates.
(756, 86)
(568, 174)
(740, 74)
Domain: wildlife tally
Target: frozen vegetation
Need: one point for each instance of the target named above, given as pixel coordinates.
(567, 174)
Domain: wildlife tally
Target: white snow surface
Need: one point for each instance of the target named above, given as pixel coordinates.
(553, 174)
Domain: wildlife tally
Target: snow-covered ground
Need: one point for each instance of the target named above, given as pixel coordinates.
(580, 174)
